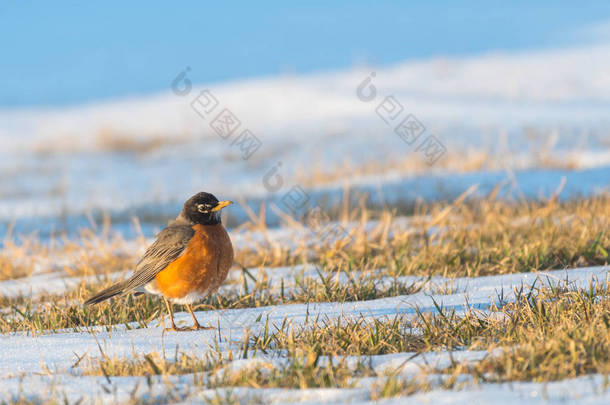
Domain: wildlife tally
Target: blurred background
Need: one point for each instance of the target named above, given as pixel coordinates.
(123, 111)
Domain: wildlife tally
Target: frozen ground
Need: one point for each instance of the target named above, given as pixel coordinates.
(36, 366)
(532, 122)
(41, 365)
(537, 110)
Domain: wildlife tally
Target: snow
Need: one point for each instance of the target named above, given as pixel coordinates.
(523, 108)
(65, 168)
(584, 390)
(25, 354)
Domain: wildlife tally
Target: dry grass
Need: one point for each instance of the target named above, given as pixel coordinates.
(57, 312)
(94, 252)
(456, 160)
(466, 238)
(305, 370)
(320, 173)
(10, 269)
(486, 237)
(551, 317)
(17, 260)
(475, 237)
(340, 337)
(109, 140)
(148, 365)
(549, 334)
(302, 372)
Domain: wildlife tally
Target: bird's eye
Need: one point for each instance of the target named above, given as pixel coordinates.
(204, 208)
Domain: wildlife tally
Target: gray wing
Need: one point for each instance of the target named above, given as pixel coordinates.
(169, 245)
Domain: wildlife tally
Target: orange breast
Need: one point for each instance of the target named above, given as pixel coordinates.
(202, 267)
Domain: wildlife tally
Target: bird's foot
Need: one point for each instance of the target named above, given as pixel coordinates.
(199, 327)
(174, 328)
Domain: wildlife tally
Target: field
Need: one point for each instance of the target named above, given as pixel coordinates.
(474, 300)
(478, 277)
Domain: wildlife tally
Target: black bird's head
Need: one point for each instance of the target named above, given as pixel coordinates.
(203, 208)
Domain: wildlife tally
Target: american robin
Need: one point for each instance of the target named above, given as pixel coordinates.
(189, 259)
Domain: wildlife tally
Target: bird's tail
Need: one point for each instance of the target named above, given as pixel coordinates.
(109, 292)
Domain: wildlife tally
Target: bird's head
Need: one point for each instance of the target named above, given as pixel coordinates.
(203, 208)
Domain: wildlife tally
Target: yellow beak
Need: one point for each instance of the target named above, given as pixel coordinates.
(221, 205)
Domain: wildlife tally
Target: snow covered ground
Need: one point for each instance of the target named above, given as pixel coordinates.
(534, 123)
(514, 112)
(42, 364)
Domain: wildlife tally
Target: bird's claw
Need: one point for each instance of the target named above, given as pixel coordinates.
(188, 328)
(199, 327)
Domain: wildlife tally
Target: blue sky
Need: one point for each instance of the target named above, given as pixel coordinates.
(57, 53)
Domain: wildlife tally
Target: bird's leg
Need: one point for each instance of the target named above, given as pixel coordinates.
(196, 325)
(171, 316)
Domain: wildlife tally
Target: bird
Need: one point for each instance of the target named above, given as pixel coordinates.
(189, 260)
